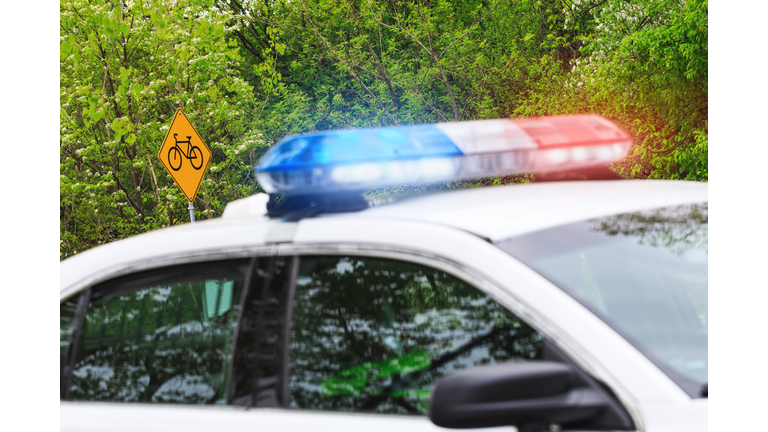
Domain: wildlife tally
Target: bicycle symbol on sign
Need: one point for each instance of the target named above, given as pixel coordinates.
(193, 153)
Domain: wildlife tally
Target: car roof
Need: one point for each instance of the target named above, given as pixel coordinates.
(494, 213)
(501, 212)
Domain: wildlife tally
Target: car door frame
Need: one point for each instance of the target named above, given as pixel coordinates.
(469, 258)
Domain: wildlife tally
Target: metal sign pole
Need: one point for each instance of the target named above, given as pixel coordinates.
(191, 209)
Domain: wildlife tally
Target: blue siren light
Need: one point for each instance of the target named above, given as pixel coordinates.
(356, 159)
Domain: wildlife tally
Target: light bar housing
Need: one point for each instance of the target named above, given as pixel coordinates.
(356, 159)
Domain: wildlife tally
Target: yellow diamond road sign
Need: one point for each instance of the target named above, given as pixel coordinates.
(185, 155)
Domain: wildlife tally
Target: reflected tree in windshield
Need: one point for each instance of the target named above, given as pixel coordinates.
(372, 335)
(682, 230)
(644, 273)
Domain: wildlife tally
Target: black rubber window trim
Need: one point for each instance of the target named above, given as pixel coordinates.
(293, 277)
(82, 305)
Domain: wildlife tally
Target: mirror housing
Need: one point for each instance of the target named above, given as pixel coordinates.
(530, 395)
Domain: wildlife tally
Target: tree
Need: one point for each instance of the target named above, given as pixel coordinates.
(248, 73)
(125, 67)
(644, 67)
(346, 63)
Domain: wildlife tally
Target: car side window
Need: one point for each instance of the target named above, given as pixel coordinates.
(164, 337)
(373, 335)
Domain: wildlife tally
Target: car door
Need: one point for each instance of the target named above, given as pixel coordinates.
(279, 343)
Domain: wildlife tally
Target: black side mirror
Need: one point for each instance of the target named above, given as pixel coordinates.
(530, 395)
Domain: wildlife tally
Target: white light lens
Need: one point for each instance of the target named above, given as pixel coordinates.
(556, 156)
(579, 154)
(437, 168)
(605, 153)
(362, 173)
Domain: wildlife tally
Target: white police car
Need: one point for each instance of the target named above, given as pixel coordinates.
(546, 306)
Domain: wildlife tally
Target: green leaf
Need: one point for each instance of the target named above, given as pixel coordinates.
(65, 48)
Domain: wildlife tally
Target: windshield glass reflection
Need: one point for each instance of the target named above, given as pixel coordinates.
(644, 273)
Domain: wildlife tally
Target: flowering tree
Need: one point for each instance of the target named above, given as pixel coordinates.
(645, 67)
(125, 68)
(249, 72)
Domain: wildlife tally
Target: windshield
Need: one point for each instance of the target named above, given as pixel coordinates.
(643, 273)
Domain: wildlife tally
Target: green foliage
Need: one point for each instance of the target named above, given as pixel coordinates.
(347, 63)
(645, 67)
(124, 70)
(250, 72)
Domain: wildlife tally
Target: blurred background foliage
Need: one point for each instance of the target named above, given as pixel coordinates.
(248, 73)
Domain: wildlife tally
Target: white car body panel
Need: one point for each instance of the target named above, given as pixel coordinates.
(155, 249)
(118, 417)
(441, 230)
(497, 213)
(672, 417)
(93, 417)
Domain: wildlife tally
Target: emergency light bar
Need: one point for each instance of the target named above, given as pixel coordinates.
(357, 159)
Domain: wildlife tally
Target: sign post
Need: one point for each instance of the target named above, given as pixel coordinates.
(191, 209)
(185, 156)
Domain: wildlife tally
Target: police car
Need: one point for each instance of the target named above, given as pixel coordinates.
(554, 305)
